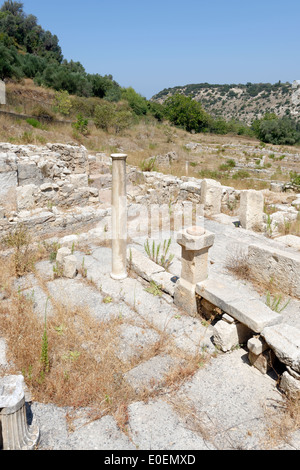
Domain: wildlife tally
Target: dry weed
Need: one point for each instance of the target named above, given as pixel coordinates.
(284, 421)
(237, 263)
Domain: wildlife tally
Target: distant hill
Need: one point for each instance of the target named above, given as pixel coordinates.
(241, 102)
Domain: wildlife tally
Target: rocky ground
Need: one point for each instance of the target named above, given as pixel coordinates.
(225, 404)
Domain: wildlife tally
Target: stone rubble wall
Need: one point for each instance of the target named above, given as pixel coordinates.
(46, 188)
(37, 177)
(158, 188)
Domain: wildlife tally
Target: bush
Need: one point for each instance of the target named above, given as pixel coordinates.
(42, 113)
(186, 113)
(62, 103)
(137, 103)
(81, 125)
(278, 131)
(34, 123)
(104, 115)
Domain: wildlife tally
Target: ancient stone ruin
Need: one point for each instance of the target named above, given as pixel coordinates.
(60, 192)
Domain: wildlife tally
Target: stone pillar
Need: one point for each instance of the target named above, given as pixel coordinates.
(211, 196)
(195, 243)
(251, 209)
(119, 216)
(15, 434)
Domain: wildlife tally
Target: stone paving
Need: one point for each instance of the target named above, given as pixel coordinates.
(224, 404)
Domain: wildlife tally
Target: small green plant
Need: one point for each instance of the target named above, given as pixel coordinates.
(71, 356)
(241, 174)
(148, 164)
(45, 353)
(159, 253)
(35, 123)
(295, 178)
(57, 270)
(54, 247)
(154, 289)
(274, 301)
(62, 102)
(107, 300)
(81, 125)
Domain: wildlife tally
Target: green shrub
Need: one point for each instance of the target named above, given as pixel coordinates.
(62, 103)
(35, 123)
(81, 125)
(104, 115)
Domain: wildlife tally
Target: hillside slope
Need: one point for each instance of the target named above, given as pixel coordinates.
(241, 102)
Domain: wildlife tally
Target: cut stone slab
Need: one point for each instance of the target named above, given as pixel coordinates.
(150, 374)
(246, 309)
(103, 434)
(133, 341)
(76, 294)
(229, 399)
(142, 265)
(156, 426)
(285, 342)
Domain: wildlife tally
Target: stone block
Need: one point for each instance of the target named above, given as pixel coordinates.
(248, 310)
(257, 345)
(251, 209)
(29, 173)
(211, 196)
(25, 196)
(70, 266)
(185, 297)
(142, 265)
(8, 181)
(285, 342)
(195, 242)
(263, 362)
(62, 253)
(79, 180)
(289, 385)
(229, 335)
(281, 266)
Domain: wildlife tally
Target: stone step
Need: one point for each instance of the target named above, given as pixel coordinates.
(246, 309)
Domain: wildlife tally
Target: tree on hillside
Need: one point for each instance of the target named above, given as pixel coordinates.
(278, 131)
(15, 8)
(184, 112)
(9, 62)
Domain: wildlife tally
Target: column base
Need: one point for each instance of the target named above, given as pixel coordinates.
(118, 277)
(185, 297)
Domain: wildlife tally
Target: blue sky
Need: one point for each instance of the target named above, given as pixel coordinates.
(160, 44)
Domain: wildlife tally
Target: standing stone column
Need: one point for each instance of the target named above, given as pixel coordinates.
(119, 216)
(251, 209)
(15, 434)
(195, 243)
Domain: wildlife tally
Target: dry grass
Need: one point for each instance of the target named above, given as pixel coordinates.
(237, 263)
(284, 420)
(70, 359)
(84, 370)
